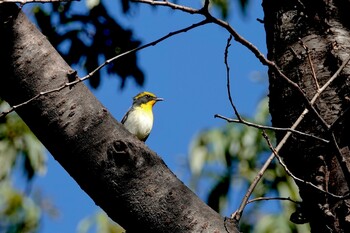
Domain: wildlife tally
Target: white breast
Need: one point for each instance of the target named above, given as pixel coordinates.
(139, 123)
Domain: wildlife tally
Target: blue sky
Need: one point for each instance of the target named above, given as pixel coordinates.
(189, 73)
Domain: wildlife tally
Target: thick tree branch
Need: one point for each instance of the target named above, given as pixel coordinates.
(124, 177)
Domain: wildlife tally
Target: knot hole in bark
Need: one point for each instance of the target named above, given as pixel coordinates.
(118, 150)
(125, 153)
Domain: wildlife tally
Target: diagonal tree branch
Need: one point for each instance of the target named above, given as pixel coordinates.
(119, 172)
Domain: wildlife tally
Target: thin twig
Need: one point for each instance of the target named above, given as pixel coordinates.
(270, 64)
(237, 214)
(13, 108)
(153, 43)
(228, 85)
(203, 22)
(171, 5)
(310, 63)
(258, 126)
(297, 178)
(272, 198)
(204, 11)
(239, 118)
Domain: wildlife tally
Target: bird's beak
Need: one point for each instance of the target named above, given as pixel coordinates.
(159, 99)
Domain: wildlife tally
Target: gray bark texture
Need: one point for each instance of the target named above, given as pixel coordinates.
(120, 173)
(323, 27)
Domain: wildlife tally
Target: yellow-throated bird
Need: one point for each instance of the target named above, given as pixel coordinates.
(139, 119)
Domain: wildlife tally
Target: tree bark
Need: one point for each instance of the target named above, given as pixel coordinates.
(323, 27)
(120, 173)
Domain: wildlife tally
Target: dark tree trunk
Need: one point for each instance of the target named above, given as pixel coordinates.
(124, 177)
(323, 27)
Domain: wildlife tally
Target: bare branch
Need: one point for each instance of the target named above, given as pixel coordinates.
(203, 22)
(258, 126)
(240, 119)
(267, 62)
(237, 215)
(228, 44)
(297, 178)
(276, 69)
(153, 43)
(171, 5)
(206, 5)
(310, 63)
(272, 198)
(204, 11)
(269, 199)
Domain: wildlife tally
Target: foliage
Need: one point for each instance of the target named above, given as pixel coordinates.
(222, 156)
(21, 151)
(93, 36)
(229, 158)
(102, 223)
(224, 6)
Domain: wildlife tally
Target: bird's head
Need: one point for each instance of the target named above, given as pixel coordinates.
(146, 99)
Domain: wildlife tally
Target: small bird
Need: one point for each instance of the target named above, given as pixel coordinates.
(139, 119)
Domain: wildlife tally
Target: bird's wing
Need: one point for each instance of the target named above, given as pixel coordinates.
(145, 138)
(125, 116)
